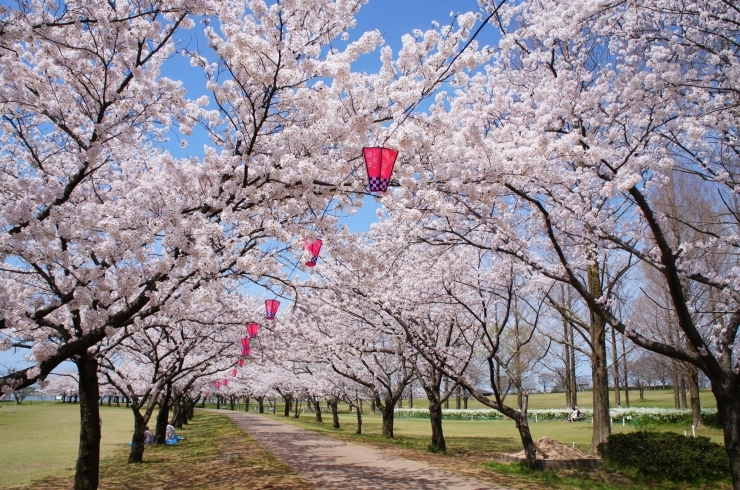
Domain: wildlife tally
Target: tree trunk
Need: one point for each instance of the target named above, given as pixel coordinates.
(296, 412)
(191, 409)
(386, 411)
(683, 387)
(246, 404)
(435, 416)
(694, 393)
(626, 378)
(88, 457)
(599, 374)
(334, 407)
(522, 424)
(728, 411)
(676, 398)
(317, 408)
(568, 381)
(411, 397)
(359, 418)
(137, 442)
(530, 451)
(287, 407)
(615, 369)
(573, 377)
(160, 432)
(447, 400)
(177, 413)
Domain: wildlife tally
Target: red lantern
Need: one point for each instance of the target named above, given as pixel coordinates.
(271, 308)
(226, 382)
(379, 163)
(253, 329)
(233, 373)
(313, 248)
(245, 342)
(241, 362)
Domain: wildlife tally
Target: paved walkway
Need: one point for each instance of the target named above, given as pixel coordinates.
(333, 464)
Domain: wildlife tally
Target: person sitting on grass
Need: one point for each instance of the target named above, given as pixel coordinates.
(169, 433)
(148, 437)
(170, 436)
(575, 415)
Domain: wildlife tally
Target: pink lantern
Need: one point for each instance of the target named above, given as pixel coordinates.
(313, 248)
(226, 382)
(271, 308)
(379, 163)
(233, 373)
(246, 351)
(241, 362)
(218, 384)
(253, 329)
(207, 393)
(245, 342)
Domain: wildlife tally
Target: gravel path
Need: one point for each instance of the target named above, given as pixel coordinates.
(333, 464)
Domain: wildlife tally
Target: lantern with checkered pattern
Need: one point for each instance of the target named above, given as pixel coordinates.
(271, 308)
(313, 248)
(379, 163)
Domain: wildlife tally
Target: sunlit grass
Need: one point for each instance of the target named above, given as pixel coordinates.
(214, 454)
(41, 439)
(652, 398)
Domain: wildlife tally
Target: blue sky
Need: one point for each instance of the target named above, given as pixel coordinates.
(393, 18)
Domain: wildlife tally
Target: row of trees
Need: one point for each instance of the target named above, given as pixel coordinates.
(576, 183)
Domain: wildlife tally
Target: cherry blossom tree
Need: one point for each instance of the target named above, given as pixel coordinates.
(103, 229)
(557, 151)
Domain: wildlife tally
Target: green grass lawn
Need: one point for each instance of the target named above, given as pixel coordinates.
(652, 398)
(41, 439)
(214, 454)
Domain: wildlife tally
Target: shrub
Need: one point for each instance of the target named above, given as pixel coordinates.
(666, 456)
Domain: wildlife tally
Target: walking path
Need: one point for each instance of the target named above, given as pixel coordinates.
(332, 464)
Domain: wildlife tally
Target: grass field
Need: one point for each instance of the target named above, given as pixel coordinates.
(40, 439)
(40, 448)
(215, 453)
(653, 398)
